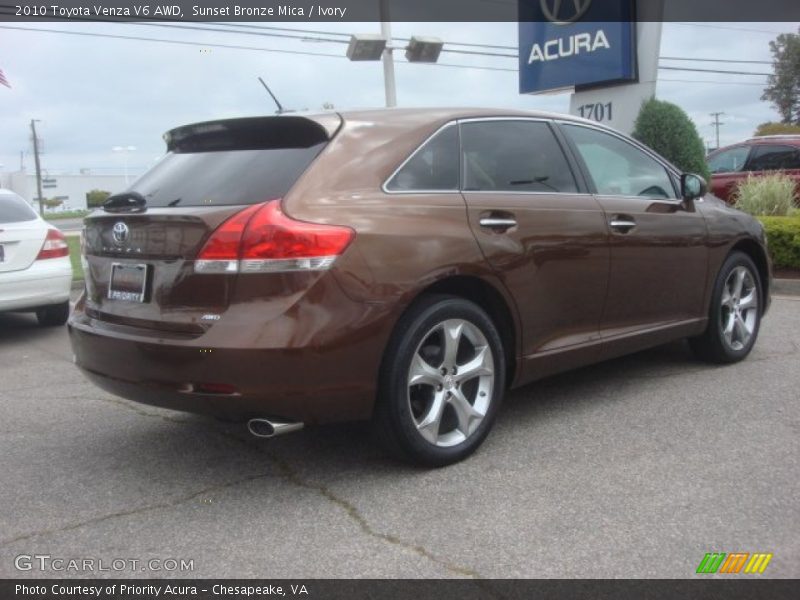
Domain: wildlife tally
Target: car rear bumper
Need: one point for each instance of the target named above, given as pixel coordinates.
(324, 375)
(44, 282)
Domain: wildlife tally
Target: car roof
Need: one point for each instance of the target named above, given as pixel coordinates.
(423, 116)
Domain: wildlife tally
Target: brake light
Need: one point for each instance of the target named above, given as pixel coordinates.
(55, 245)
(261, 238)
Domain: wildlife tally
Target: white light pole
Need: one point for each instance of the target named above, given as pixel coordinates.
(125, 151)
(388, 63)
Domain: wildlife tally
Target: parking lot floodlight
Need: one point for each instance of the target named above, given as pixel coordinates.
(424, 49)
(366, 46)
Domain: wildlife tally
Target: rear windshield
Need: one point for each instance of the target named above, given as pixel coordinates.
(14, 209)
(224, 177)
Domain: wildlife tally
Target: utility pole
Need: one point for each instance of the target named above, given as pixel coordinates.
(38, 167)
(717, 123)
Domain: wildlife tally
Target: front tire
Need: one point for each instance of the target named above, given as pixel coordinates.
(735, 315)
(53, 315)
(441, 384)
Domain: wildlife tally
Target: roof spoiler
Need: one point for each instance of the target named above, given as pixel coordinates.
(253, 133)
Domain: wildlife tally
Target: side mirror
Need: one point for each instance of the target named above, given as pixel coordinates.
(693, 186)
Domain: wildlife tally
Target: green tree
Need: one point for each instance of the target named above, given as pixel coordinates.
(668, 130)
(777, 129)
(96, 198)
(783, 86)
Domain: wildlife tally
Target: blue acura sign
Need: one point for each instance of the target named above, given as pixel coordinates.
(575, 43)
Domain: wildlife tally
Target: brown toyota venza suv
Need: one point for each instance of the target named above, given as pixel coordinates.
(403, 266)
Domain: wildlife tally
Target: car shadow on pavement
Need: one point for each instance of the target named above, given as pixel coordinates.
(351, 447)
(16, 326)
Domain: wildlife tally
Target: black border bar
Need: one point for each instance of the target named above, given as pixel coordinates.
(739, 588)
(377, 10)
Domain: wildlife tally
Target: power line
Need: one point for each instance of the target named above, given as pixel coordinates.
(322, 54)
(721, 60)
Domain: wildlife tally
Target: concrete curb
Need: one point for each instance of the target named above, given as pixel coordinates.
(786, 287)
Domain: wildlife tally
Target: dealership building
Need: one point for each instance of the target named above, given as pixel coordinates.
(70, 188)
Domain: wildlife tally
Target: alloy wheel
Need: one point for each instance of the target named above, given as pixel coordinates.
(739, 308)
(450, 382)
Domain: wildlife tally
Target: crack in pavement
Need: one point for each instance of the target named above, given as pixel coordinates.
(142, 509)
(282, 469)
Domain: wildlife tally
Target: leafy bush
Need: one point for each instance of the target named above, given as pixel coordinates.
(668, 130)
(783, 239)
(96, 198)
(777, 129)
(774, 195)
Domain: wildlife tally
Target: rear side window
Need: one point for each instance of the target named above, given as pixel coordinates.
(774, 158)
(14, 209)
(513, 156)
(434, 167)
(224, 177)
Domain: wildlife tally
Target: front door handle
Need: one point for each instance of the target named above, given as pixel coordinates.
(622, 223)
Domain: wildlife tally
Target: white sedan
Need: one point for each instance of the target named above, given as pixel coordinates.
(35, 271)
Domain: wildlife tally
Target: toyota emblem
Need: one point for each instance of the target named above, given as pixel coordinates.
(120, 233)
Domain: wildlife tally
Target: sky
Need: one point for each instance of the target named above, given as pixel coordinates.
(91, 94)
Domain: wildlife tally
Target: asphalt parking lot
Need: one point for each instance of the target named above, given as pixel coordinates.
(631, 468)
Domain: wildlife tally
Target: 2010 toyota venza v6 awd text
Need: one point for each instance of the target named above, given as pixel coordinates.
(404, 266)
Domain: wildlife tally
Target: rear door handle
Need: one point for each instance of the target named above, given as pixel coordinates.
(498, 220)
(497, 223)
(622, 223)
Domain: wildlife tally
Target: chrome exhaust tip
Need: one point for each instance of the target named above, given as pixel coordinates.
(264, 428)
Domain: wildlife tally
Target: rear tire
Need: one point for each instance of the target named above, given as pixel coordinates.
(734, 317)
(441, 383)
(53, 315)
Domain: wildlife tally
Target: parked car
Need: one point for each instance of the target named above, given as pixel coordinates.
(731, 165)
(35, 270)
(404, 266)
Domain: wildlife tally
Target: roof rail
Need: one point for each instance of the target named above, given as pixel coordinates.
(784, 136)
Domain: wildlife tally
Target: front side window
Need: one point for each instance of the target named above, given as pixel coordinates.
(619, 168)
(729, 161)
(774, 158)
(434, 167)
(513, 156)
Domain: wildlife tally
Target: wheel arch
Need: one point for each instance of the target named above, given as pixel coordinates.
(492, 301)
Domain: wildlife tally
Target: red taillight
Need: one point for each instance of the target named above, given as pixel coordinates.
(55, 245)
(262, 238)
(271, 234)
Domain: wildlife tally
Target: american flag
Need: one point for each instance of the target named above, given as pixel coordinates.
(3, 79)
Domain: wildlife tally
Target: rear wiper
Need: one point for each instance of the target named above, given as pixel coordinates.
(125, 202)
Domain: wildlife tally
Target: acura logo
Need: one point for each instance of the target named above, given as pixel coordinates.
(552, 11)
(120, 233)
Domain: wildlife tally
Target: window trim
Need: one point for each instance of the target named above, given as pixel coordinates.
(417, 150)
(671, 171)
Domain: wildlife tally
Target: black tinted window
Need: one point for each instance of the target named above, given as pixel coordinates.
(619, 168)
(513, 156)
(227, 177)
(774, 158)
(14, 209)
(433, 167)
